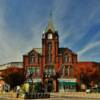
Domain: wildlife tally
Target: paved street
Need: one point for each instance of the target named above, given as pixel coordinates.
(53, 98)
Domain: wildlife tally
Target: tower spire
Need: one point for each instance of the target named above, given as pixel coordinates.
(50, 25)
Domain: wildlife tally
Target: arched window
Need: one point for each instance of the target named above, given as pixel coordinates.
(71, 71)
(66, 71)
(49, 52)
(65, 58)
(49, 46)
(32, 58)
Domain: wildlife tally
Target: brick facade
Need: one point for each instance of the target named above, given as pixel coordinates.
(50, 62)
(52, 65)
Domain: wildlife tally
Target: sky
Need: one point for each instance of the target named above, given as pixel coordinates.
(22, 23)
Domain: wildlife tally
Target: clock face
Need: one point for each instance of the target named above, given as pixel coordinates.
(49, 36)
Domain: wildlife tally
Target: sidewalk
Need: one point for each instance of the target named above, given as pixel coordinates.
(11, 95)
(76, 94)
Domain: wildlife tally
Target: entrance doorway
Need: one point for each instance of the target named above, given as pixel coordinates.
(49, 85)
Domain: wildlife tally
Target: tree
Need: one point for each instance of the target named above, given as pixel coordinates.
(87, 72)
(13, 76)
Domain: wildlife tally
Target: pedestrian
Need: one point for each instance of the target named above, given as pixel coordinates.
(17, 91)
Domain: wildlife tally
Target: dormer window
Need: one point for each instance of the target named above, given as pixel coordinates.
(50, 36)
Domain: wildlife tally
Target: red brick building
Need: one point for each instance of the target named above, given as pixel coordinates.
(51, 65)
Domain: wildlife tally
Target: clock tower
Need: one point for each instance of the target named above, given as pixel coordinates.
(50, 45)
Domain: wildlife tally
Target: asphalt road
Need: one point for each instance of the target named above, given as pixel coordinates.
(54, 98)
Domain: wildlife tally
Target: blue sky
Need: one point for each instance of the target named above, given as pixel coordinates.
(22, 23)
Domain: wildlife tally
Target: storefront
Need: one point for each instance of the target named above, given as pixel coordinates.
(67, 85)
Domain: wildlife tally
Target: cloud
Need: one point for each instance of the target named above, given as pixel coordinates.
(19, 34)
(74, 19)
(89, 47)
(11, 45)
(22, 24)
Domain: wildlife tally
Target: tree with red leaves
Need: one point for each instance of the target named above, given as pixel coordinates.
(87, 72)
(13, 76)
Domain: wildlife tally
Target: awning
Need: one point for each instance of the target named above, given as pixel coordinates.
(37, 80)
(67, 81)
